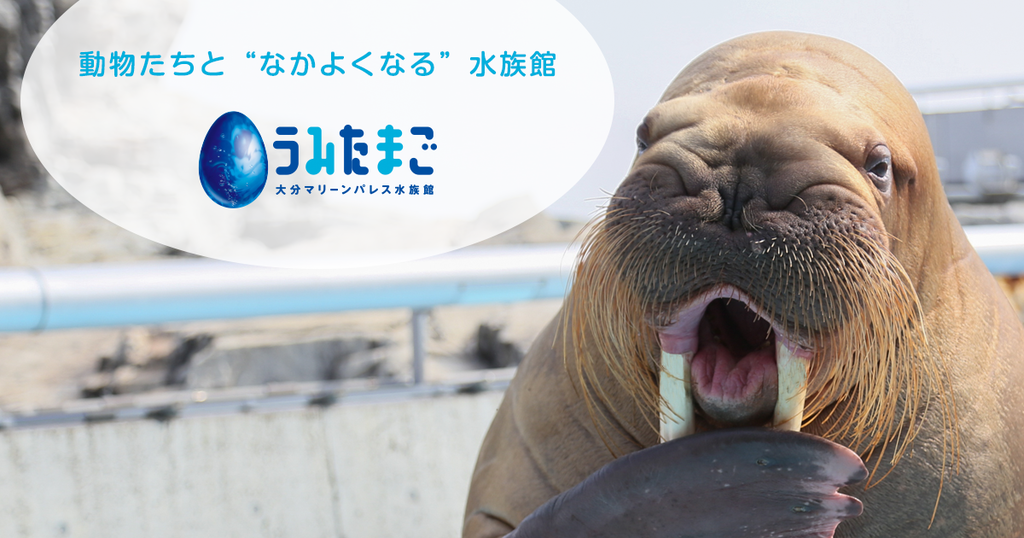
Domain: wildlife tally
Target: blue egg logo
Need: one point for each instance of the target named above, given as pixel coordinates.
(233, 161)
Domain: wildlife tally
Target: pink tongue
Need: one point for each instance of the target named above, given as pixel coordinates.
(735, 392)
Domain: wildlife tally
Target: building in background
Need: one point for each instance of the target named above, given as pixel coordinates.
(977, 132)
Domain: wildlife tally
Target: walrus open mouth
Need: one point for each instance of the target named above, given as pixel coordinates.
(721, 357)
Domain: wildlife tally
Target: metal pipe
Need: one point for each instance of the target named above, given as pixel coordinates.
(180, 290)
(419, 344)
(1001, 247)
(192, 289)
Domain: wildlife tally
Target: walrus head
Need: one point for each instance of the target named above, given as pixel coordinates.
(763, 222)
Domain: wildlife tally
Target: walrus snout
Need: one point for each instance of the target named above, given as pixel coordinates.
(812, 262)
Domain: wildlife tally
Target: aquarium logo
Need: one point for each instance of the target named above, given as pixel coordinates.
(233, 161)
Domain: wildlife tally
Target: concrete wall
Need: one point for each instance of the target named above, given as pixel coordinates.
(356, 470)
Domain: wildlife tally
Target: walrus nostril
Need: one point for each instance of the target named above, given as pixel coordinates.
(723, 206)
(736, 201)
(709, 206)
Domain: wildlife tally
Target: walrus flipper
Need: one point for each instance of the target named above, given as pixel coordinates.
(734, 482)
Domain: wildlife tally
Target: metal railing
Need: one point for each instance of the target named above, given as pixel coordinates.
(144, 293)
(37, 299)
(179, 290)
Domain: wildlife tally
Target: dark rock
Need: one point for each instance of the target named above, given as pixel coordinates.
(163, 414)
(493, 351)
(178, 361)
(248, 363)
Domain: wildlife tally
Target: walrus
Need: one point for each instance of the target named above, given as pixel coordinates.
(780, 256)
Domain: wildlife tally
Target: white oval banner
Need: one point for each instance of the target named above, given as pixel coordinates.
(315, 133)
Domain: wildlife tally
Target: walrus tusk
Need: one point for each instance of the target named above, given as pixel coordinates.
(676, 396)
(789, 409)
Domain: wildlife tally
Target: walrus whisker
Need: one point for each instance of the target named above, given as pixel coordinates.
(607, 341)
(869, 368)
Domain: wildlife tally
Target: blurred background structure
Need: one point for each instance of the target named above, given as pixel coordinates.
(329, 407)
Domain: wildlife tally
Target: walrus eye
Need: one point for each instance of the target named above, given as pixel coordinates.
(879, 167)
(641, 146)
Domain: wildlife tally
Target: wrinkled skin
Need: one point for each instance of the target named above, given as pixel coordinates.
(775, 131)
